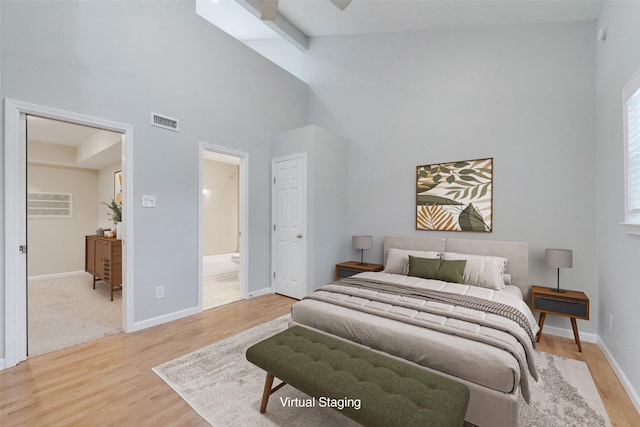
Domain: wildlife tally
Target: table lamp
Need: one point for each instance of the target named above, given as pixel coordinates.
(362, 243)
(559, 258)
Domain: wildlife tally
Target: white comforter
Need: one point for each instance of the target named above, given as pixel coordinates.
(448, 339)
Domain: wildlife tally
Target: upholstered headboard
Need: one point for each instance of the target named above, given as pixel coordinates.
(516, 252)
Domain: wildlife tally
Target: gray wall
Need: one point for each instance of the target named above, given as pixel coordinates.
(524, 95)
(618, 255)
(122, 60)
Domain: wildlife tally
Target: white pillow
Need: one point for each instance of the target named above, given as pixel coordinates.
(481, 270)
(398, 260)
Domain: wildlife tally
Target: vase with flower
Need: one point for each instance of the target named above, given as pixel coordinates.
(115, 213)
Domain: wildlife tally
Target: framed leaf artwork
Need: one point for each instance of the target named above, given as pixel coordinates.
(456, 196)
(117, 187)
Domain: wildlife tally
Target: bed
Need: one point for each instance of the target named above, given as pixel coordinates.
(481, 334)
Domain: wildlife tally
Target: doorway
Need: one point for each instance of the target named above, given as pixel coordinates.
(222, 226)
(71, 175)
(15, 282)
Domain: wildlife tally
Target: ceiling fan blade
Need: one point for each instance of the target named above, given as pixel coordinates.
(269, 10)
(341, 4)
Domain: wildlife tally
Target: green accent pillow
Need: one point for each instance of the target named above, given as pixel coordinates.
(423, 267)
(452, 271)
(437, 269)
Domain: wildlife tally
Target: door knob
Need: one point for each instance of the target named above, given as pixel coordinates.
(299, 236)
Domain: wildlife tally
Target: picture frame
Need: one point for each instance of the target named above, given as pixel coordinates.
(455, 196)
(117, 187)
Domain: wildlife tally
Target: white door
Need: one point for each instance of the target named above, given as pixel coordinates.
(289, 213)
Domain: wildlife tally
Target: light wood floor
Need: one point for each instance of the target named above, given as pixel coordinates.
(621, 411)
(110, 382)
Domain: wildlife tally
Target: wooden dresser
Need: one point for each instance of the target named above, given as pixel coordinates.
(103, 259)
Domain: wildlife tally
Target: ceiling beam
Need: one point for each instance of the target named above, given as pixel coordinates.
(280, 24)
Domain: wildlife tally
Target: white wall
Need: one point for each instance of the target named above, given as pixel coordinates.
(122, 60)
(618, 59)
(56, 244)
(524, 95)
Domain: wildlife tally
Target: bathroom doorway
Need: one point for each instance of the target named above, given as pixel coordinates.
(221, 240)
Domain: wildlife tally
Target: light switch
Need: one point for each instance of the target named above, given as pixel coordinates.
(148, 201)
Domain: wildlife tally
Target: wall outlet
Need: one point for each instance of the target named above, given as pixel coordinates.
(611, 323)
(160, 292)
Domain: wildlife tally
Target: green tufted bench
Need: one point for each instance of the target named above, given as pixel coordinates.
(390, 392)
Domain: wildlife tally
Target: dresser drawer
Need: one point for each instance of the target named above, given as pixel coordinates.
(558, 304)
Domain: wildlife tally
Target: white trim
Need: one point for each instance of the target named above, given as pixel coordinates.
(631, 228)
(57, 275)
(15, 295)
(568, 333)
(127, 230)
(260, 292)
(15, 333)
(243, 270)
(165, 318)
(631, 392)
(632, 225)
(2, 364)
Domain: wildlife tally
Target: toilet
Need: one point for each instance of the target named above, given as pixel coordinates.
(235, 258)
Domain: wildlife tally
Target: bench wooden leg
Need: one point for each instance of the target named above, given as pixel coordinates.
(268, 391)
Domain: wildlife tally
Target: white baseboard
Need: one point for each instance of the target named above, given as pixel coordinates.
(633, 394)
(568, 333)
(1, 364)
(144, 324)
(57, 275)
(260, 292)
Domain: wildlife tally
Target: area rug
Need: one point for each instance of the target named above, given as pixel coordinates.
(67, 311)
(225, 389)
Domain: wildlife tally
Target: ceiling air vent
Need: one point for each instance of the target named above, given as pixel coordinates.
(165, 122)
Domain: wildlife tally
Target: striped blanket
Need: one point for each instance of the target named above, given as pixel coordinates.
(466, 301)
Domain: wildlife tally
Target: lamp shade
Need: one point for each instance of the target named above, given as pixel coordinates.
(362, 242)
(559, 258)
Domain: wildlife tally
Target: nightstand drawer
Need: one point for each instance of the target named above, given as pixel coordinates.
(558, 304)
(346, 272)
(349, 268)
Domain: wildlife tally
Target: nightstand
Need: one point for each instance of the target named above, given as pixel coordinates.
(346, 269)
(572, 304)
